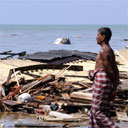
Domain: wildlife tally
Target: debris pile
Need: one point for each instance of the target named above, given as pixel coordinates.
(53, 97)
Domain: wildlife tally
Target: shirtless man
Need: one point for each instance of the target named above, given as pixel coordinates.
(105, 80)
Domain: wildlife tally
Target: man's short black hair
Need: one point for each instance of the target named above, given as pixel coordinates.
(105, 31)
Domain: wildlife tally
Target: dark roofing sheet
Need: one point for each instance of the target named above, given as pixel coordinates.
(59, 54)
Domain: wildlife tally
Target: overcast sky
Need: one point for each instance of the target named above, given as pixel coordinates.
(63, 11)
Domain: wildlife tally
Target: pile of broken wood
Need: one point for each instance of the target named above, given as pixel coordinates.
(52, 95)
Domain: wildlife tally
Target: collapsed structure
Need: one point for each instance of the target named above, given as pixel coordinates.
(58, 86)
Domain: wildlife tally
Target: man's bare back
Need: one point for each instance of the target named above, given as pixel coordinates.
(105, 54)
(106, 59)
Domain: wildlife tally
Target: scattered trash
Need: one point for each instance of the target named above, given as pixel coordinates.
(25, 97)
(57, 92)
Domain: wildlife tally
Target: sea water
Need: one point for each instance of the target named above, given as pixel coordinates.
(35, 38)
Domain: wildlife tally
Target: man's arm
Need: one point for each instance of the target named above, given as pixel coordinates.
(111, 69)
(107, 63)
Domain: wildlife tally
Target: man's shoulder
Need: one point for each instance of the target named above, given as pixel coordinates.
(105, 52)
(106, 49)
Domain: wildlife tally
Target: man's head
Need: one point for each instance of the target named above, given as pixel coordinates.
(104, 35)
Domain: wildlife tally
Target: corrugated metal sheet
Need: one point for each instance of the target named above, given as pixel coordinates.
(60, 56)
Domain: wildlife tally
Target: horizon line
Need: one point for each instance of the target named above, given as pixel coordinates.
(63, 24)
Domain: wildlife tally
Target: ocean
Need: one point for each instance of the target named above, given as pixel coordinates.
(40, 38)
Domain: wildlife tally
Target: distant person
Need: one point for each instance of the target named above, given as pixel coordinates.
(105, 79)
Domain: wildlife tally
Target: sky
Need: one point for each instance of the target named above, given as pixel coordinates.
(63, 11)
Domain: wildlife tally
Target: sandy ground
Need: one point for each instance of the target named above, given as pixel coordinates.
(122, 56)
(6, 65)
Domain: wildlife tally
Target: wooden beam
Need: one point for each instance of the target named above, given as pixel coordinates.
(49, 66)
(81, 95)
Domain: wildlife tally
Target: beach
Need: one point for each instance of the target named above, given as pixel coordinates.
(9, 119)
(40, 38)
(52, 72)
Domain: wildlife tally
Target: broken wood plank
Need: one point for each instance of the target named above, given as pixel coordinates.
(43, 79)
(5, 107)
(42, 125)
(59, 114)
(77, 124)
(65, 95)
(58, 119)
(123, 86)
(10, 103)
(81, 95)
(119, 105)
(62, 71)
(122, 115)
(36, 82)
(72, 100)
(75, 104)
(49, 66)
(76, 76)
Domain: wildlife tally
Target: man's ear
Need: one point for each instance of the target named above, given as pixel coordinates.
(103, 36)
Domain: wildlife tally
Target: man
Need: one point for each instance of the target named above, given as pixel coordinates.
(105, 80)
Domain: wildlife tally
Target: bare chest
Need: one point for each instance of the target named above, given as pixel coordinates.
(99, 63)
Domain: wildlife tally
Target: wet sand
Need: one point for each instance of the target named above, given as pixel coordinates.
(9, 119)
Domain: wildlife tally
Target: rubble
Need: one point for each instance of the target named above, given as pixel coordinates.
(59, 93)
